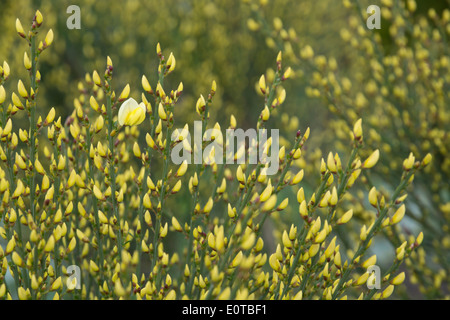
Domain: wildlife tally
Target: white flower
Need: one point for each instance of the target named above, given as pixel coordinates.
(131, 113)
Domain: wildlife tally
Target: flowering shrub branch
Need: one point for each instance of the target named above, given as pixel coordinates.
(92, 205)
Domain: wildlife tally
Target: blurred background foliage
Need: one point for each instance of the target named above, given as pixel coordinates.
(354, 72)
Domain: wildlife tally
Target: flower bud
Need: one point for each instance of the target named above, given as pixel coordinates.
(357, 130)
(262, 84)
(19, 28)
(48, 38)
(371, 160)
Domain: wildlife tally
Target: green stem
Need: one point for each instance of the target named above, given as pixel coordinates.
(363, 245)
(95, 208)
(112, 172)
(162, 197)
(302, 237)
(198, 169)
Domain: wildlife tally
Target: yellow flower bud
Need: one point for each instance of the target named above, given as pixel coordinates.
(10, 246)
(23, 294)
(102, 217)
(6, 70)
(146, 201)
(176, 225)
(270, 203)
(99, 123)
(265, 114)
(146, 85)
(425, 160)
(286, 241)
(231, 211)
(288, 73)
(200, 105)
(357, 129)
(400, 253)
(61, 163)
(148, 218)
(398, 215)
(233, 122)
(303, 209)
(56, 284)
(2, 94)
(171, 62)
(72, 178)
(363, 233)
(48, 38)
(125, 93)
(248, 241)
(57, 218)
(409, 162)
(161, 112)
(136, 150)
(19, 28)
(362, 279)
(266, 193)
(176, 187)
(39, 17)
(93, 267)
(324, 201)
(50, 245)
(109, 62)
(98, 194)
(419, 238)
(320, 236)
(82, 236)
(19, 188)
(23, 135)
(373, 200)
(45, 183)
(237, 259)
(262, 84)
(240, 176)
(16, 101)
(387, 292)
(208, 206)
(182, 169)
(163, 230)
(371, 160)
(20, 162)
(150, 141)
(96, 78)
(332, 201)
(331, 164)
(345, 217)
(337, 260)
(307, 52)
(17, 259)
(22, 91)
(93, 103)
(7, 129)
(369, 262)
(150, 183)
(225, 294)
(158, 49)
(274, 262)
(281, 97)
(283, 204)
(398, 279)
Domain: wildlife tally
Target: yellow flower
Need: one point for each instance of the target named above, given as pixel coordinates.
(131, 113)
(48, 38)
